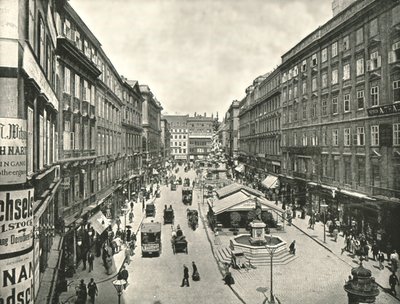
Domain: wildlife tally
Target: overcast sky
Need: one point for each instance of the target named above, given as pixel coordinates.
(199, 55)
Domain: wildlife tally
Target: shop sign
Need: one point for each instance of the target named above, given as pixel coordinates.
(16, 280)
(13, 137)
(16, 220)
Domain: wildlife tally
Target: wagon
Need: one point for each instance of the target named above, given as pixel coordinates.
(169, 215)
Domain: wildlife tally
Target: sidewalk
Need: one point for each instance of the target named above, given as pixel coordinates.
(99, 273)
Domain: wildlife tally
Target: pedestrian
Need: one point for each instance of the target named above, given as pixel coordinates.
(335, 234)
(292, 248)
(84, 258)
(381, 259)
(123, 275)
(185, 280)
(128, 235)
(375, 251)
(81, 293)
(393, 280)
(228, 279)
(118, 222)
(128, 255)
(394, 261)
(366, 251)
(90, 260)
(92, 290)
(195, 275)
(131, 204)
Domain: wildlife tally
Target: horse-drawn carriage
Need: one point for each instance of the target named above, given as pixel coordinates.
(187, 195)
(168, 215)
(151, 238)
(150, 209)
(193, 218)
(178, 241)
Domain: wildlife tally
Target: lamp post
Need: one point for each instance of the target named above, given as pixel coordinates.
(125, 211)
(119, 286)
(271, 252)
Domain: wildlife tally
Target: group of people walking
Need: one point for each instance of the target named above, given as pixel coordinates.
(195, 275)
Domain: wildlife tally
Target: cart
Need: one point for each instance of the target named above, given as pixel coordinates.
(187, 195)
(150, 210)
(169, 215)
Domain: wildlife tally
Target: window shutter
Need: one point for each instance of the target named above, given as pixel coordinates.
(369, 65)
(391, 56)
(379, 62)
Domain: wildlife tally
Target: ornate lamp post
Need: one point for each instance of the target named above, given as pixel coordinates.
(271, 251)
(125, 211)
(119, 286)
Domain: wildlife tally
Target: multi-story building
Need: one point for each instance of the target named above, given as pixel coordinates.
(223, 137)
(179, 136)
(260, 128)
(200, 134)
(28, 146)
(232, 122)
(132, 136)
(165, 138)
(341, 131)
(151, 141)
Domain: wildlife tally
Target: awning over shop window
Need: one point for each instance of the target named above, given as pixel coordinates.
(270, 182)
(239, 168)
(99, 222)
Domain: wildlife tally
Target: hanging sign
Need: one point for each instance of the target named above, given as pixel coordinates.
(16, 220)
(13, 137)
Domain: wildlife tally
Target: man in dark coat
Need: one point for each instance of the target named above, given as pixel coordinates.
(195, 275)
(92, 290)
(90, 260)
(123, 275)
(82, 293)
(292, 247)
(84, 258)
(185, 280)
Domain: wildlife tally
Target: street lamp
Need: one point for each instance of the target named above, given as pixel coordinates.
(119, 286)
(271, 251)
(125, 211)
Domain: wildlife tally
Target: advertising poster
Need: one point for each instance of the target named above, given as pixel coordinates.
(13, 148)
(16, 220)
(16, 280)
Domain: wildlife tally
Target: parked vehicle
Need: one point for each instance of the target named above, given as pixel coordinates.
(151, 238)
(187, 195)
(178, 241)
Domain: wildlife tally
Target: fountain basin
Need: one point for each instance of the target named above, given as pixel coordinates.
(243, 242)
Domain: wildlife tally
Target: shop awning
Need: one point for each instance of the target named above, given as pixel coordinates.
(270, 182)
(99, 222)
(239, 168)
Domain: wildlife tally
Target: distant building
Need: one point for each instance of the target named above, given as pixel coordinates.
(151, 141)
(179, 136)
(165, 138)
(232, 122)
(200, 136)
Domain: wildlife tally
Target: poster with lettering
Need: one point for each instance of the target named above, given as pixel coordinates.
(16, 280)
(13, 145)
(16, 220)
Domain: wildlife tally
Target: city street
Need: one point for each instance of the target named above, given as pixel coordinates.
(158, 279)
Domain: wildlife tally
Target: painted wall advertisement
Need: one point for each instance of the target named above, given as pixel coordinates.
(16, 220)
(16, 280)
(13, 138)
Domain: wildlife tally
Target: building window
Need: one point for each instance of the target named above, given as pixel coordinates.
(314, 60)
(334, 49)
(335, 76)
(313, 110)
(346, 43)
(347, 170)
(304, 139)
(360, 171)
(374, 96)
(304, 111)
(394, 54)
(324, 107)
(314, 84)
(359, 36)
(294, 139)
(67, 80)
(30, 141)
(77, 90)
(334, 105)
(324, 165)
(346, 137)
(396, 91)
(396, 134)
(360, 99)
(373, 28)
(295, 91)
(346, 103)
(324, 55)
(304, 87)
(336, 168)
(304, 65)
(324, 137)
(374, 62)
(376, 176)
(360, 66)
(360, 136)
(324, 79)
(346, 71)
(41, 141)
(375, 135)
(335, 137)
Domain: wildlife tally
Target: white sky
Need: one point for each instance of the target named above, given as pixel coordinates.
(199, 55)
